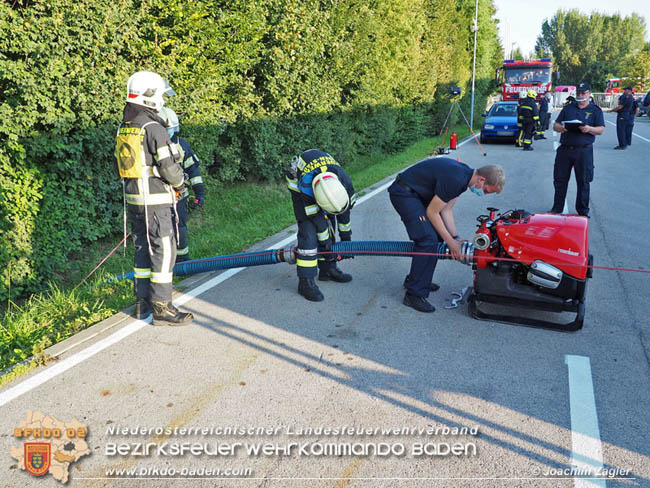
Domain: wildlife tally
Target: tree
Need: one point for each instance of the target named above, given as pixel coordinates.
(587, 47)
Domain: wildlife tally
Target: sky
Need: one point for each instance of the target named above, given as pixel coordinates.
(526, 18)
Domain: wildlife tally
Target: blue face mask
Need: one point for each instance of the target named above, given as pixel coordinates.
(476, 191)
(171, 132)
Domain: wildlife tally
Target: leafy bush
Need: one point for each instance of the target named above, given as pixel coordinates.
(257, 81)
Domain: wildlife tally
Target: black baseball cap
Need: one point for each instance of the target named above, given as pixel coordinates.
(628, 88)
(583, 87)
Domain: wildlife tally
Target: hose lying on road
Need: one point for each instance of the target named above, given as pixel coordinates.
(273, 256)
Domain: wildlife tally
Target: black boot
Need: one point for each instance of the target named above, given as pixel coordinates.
(432, 286)
(142, 308)
(333, 273)
(528, 148)
(167, 314)
(308, 288)
(418, 303)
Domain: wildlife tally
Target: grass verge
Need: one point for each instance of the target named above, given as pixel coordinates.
(233, 218)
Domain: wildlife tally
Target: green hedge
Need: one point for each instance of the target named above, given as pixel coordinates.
(257, 81)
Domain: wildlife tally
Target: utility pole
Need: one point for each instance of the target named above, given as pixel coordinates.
(475, 28)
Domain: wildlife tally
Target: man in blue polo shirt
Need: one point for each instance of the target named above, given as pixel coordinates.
(424, 196)
(576, 150)
(625, 117)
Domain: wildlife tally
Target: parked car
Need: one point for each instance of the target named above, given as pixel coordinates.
(500, 122)
(642, 110)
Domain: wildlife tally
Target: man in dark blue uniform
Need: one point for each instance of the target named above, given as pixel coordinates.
(625, 113)
(630, 125)
(190, 163)
(528, 115)
(543, 113)
(576, 150)
(424, 196)
(317, 222)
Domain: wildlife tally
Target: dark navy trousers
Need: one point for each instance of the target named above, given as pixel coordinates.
(622, 122)
(581, 159)
(425, 238)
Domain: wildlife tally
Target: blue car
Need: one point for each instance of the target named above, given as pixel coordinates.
(500, 122)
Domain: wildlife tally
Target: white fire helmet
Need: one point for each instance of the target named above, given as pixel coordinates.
(147, 89)
(522, 95)
(330, 194)
(170, 118)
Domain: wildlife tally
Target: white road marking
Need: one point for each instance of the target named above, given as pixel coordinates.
(66, 364)
(134, 326)
(555, 145)
(587, 450)
(633, 133)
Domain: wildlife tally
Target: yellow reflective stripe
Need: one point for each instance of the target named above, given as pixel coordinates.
(183, 252)
(142, 272)
(300, 164)
(526, 107)
(162, 277)
(307, 264)
(163, 152)
(307, 252)
(323, 236)
(535, 117)
(292, 184)
(196, 180)
(154, 199)
(188, 162)
(353, 198)
(312, 209)
(344, 227)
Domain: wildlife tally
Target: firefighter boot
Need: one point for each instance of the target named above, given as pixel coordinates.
(308, 288)
(142, 308)
(418, 303)
(333, 273)
(167, 314)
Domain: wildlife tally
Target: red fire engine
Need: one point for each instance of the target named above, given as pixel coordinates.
(616, 85)
(517, 76)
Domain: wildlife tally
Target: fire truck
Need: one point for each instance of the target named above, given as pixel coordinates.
(517, 76)
(616, 85)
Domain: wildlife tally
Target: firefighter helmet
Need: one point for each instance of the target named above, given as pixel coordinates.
(147, 89)
(522, 95)
(170, 118)
(330, 194)
(532, 93)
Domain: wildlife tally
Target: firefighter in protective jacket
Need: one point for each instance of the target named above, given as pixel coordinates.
(528, 116)
(322, 195)
(190, 163)
(148, 163)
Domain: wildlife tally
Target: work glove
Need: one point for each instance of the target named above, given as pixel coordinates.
(198, 202)
(345, 237)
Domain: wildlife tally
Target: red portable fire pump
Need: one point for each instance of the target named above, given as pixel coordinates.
(535, 261)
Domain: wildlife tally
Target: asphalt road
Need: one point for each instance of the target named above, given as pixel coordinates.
(259, 356)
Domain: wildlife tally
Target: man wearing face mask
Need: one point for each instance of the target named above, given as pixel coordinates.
(424, 196)
(576, 150)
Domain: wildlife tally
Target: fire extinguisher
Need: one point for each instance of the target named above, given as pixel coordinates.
(452, 141)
